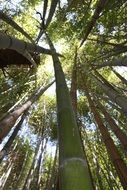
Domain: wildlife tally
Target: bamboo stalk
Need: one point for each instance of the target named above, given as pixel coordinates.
(112, 150)
(73, 169)
(8, 122)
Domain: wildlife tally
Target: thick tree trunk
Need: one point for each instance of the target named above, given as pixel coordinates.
(73, 169)
(20, 46)
(8, 122)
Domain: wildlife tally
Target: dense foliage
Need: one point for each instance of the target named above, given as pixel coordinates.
(90, 37)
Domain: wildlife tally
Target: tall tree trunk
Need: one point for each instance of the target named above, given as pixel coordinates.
(8, 144)
(94, 156)
(51, 11)
(110, 103)
(104, 80)
(119, 99)
(112, 150)
(51, 183)
(73, 90)
(24, 171)
(99, 8)
(8, 122)
(81, 126)
(115, 128)
(42, 25)
(73, 169)
(35, 183)
(48, 173)
(49, 19)
(44, 10)
(3, 184)
(10, 168)
(91, 157)
(73, 94)
(31, 170)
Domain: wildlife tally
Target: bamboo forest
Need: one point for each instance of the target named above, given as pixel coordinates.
(63, 95)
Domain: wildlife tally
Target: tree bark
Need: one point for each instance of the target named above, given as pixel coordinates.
(6, 147)
(8, 122)
(112, 150)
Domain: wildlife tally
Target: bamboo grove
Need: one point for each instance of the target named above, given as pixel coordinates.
(75, 138)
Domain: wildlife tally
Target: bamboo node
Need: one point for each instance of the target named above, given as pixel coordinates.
(68, 160)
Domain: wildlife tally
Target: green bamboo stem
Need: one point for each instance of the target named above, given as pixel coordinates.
(73, 169)
(20, 46)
